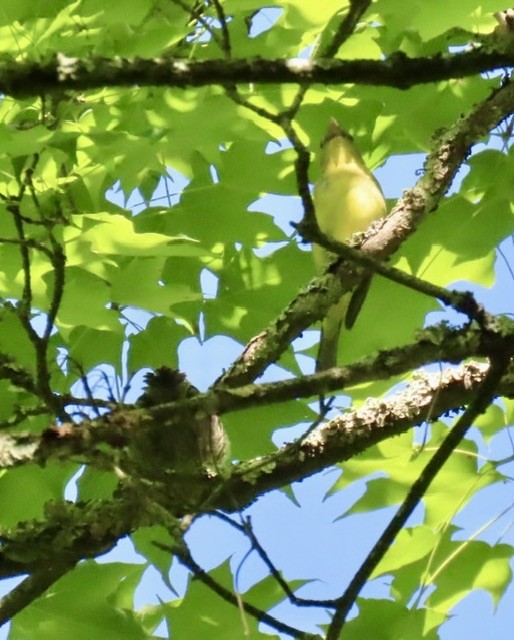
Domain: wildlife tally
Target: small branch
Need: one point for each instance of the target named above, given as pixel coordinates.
(236, 96)
(231, 88)
(31, 588)
(247, 530)
(344, 31)
(10, 370)
(13, 207)
(95, 403)
(25, 304)
(483, 397)
(19, 415)
(29, 243)
(57, 259)
(58, 263)
(200, 19)
(346, 28)
(301, 169)
(463, 302)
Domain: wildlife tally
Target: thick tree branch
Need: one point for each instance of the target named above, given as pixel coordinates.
(71, 532)
(450, 150)
(463, 302)
(400, 71)
(99, 442)
(428, 397)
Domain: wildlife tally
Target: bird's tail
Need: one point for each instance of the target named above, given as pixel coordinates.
(330, 331)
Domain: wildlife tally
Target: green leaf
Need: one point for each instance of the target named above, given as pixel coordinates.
(203, 614)
(114, 234)
(399, 465)
(89, 348)
(25, 490)
(144, 540)
(156, 345)
(396, 622)
(472, 565)
(407, 560)
(97, 601)
(253, 290)
(260, 424)
(491, 422)
(138, 283)
(15, 344)
(73, 312)
(96, 485)
(462, 242)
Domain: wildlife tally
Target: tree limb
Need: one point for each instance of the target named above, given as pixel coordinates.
(64, 73)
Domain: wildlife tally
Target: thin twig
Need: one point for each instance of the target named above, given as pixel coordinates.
(20, 377)
(346, 28)
(226, 44)
(29, 243)
(14, 208)
(183, 554)
(20, 415)
(294, 599)
(200, 19)
(58, 263)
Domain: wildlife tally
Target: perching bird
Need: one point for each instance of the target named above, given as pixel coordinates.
(347, 198)
(196, 443)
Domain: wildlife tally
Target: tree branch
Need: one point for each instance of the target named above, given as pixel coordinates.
(90, 441)
(346, 28)
(64, 73)
(85, 530)
(428, 397)
(31, 588)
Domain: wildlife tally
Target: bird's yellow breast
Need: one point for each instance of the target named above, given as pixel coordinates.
(346, 200)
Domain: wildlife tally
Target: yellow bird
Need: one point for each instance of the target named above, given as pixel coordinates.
(347, 198)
